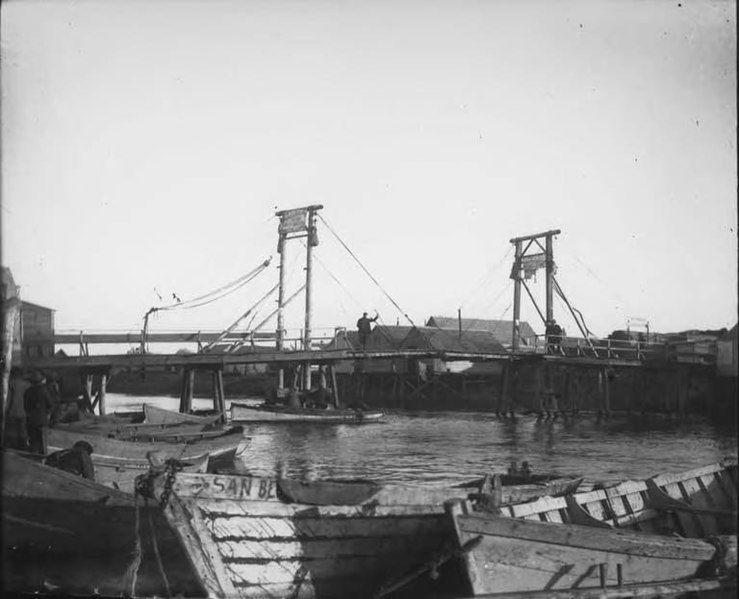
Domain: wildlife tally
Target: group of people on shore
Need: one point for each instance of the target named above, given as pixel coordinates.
(34, 402)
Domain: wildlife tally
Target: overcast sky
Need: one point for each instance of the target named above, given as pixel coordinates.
(146, 146)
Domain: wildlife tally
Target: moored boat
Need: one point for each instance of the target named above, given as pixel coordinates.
(228, 445)
(638, 536)
(68, 535)
(257, 537)
(513, 557)
(281, 413)
(157, 415)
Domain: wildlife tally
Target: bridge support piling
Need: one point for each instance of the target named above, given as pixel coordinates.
(101, 393)
(183, 390)
(219, 402)
(503, 399)
(87, 394)
(538, 396)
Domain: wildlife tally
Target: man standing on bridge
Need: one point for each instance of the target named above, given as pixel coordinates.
(364, 327)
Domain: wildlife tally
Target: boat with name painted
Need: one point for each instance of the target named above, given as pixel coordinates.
(281, 413)
(66, 535)
(668, 534)
(276, 537)
(121, 473)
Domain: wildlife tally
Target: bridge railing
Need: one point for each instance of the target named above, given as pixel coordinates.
(599, 348)
(699, 352)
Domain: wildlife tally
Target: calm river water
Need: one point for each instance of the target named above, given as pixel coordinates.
(439, 448)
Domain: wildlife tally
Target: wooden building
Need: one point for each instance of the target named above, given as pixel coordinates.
(502, 330)
(37, 331)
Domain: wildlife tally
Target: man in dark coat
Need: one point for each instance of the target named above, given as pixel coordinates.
(38, 405)
(76, 460)
(364, 327)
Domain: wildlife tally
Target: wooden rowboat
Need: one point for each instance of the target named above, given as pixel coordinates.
(155, 415)
(65, 534)
(226, 446)
(266, 537)
(121, 473)
(606, 538)
(279, 413)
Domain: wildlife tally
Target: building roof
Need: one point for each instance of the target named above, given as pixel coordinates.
(502, 330)
(25, 304)
(423, 338)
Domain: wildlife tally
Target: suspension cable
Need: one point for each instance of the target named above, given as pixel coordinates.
(236, 323)
(208, 298)
(387, 295)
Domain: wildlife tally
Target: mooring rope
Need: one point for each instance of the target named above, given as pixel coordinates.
(132, 570)
(155, 543)
(367, 272)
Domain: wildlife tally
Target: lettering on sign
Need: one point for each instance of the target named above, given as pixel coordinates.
(226, 487)
(293, 221)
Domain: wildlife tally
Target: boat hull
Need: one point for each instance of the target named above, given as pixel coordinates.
(65, 534)
(156, 415)
(510, 556)
(244, 413)
(226, 446)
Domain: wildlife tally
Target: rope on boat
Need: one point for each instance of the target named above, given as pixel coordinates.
(132, 572)
(155, 543)
(367, 272)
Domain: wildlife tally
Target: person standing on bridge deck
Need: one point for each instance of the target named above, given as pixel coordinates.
(554, 337)
(38, 405)
(364, 327)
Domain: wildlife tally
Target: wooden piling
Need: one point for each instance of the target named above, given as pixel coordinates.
(538, 396)
(102, 392)
(334, 386)
(190, 390)
(503, 400)
(184, 379)
(607, 391)
(220, 395)
(87, 395)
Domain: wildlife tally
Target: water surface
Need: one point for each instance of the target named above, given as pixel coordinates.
(442, 448)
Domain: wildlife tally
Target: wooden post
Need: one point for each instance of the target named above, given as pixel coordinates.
(221, 394)
(334, 386)
(184, 379)
(539, 400)
(190, 390)
(280, 308)
(88, 393)
(516, 276)
(504, 384)
(607, 392)
(549, 267)
(214, 385)
(11, 317)
(103, 390)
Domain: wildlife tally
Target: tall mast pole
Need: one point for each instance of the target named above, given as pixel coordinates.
(281, 248)
(516, 275)
(550, 275)
(312, 241)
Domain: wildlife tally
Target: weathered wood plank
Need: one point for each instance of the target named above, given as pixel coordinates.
(260, 527)
(311, 548)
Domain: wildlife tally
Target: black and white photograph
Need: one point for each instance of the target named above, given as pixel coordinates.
(369, 299)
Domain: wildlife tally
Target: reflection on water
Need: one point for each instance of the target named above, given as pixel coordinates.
(439, 448)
